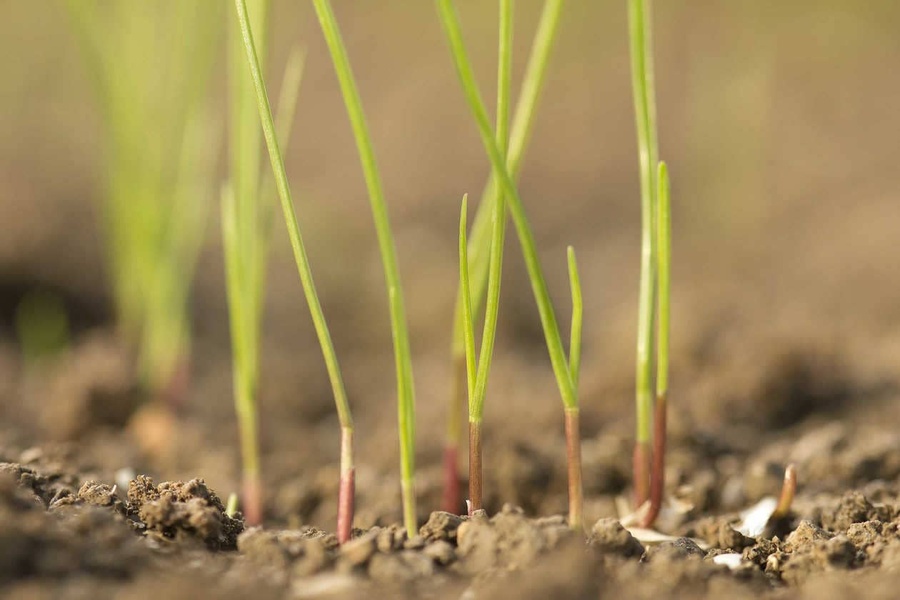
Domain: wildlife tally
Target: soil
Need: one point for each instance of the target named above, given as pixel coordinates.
(71, 527)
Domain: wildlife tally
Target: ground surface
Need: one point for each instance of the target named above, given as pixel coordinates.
(779, 127)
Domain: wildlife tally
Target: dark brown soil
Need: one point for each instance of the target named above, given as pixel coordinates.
(66, 533)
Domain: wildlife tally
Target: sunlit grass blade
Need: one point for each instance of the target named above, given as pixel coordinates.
(480, 239)
(645, 118)
(347, 481)
(405, 391)
(577, 318)
(573, 419)
(663, 235)
(475, 479)
(523, 228)
(549, 323)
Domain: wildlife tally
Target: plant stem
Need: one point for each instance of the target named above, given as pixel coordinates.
(252, 483)
(475, 471)
(300, 257)
(480, 239)
(405, 391)
(645, 118)
(478, 388)
(573, 456)
(347, 488)
(663, 253)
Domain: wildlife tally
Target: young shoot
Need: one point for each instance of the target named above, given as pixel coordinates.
(243, 243)
(552, 336)
(405, 393)
(645, 117)
(150, 64)
(347, 475)
(573, 421)
(786, 498)
(477, 373)
(480, 243)
(663, 267)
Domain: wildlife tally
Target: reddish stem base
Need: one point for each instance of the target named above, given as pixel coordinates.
(641, 470)
(658, 463)
(252, 504)
(451, 501)
(346, 500)
(475, 481)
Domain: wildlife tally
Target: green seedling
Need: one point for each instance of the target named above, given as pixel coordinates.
(347, 476)
(558, 359)
(243, 242)
(247, 203)
(150, 65)
(477, 372)
(405, 391)
(479, 250)
(645, 117)
(656, 231)
(663, 235)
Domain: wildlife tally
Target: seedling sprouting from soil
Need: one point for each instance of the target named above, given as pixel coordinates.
(558, 359)
(246, 217)
(479, 250)
(477, 372)
(405, 392)
(788, 489)
(347, 477)
(150, 66)
(651, 404)
(642, 87)
(663, 235)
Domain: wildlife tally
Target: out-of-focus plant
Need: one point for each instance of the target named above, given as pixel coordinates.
(150, 63)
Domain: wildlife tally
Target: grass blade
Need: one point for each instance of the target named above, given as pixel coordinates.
(523, 228)
(309, 289)
(577, 317)
(403, 360)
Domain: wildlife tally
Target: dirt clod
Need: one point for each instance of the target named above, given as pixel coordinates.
(183, 510)
(441, 526)
(610, 537)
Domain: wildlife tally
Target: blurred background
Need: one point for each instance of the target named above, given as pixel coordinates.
(779, 124)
